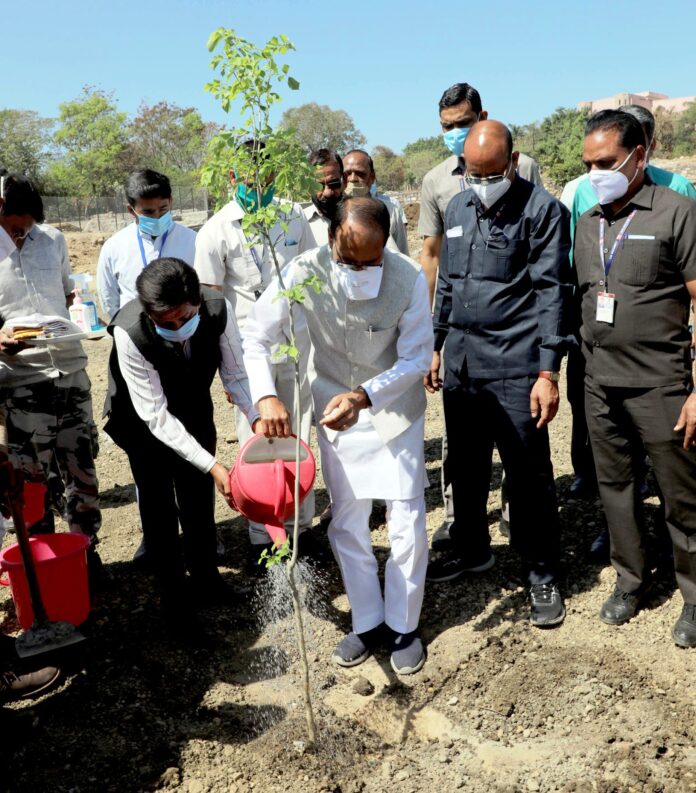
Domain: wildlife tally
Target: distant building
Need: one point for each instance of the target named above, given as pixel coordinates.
(648, 99)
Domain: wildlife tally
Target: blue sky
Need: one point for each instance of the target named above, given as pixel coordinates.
(385, 63)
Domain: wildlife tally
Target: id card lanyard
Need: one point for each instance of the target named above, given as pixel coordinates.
(142, 247)
(606, 303)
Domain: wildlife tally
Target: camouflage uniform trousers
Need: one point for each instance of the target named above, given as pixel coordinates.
(53, 439)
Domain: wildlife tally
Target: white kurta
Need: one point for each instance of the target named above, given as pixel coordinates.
(356, 462)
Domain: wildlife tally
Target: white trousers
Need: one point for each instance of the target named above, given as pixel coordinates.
(404, 574)
(284, 374)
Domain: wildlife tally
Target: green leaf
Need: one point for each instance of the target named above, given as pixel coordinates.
(214, 39)
(293, 84)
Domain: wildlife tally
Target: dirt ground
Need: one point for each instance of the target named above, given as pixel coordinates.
(499, 706)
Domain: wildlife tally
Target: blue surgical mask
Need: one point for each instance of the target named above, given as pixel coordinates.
(155, 227)
(454, 139)
(183, 333)
(248, 197)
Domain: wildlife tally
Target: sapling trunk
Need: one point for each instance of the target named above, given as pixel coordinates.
(290, 566)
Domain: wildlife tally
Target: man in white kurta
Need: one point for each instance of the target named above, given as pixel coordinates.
(370, 342)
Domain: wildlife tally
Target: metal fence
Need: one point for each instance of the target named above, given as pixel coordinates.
(110, 213)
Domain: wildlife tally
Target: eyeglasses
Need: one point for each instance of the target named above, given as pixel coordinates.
(354, 265)
(486, 180)
(332, 184)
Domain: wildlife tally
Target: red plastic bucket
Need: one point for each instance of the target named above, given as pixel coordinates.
(61, 567)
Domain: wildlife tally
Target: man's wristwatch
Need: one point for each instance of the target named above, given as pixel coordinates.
(554, 377)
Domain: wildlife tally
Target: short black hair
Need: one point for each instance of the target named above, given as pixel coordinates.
(644, 117)
(367, 211)
(631, 133)
(166, 284)
(362, 151)
(20, 196)
(461, 92)
(324, 156)
(147, 184)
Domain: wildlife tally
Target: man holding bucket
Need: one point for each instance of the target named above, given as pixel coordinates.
(168, 345)
(371, 338)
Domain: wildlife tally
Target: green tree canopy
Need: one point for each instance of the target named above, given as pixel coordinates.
(389, 168)
(25, 142)
(422, 155)
(318, 126)
(559, 143)
(92, 139)
(170, 139)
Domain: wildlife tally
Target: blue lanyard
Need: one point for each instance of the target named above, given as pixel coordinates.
(607, 263)
(142, 247)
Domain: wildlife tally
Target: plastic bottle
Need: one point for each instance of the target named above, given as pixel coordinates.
(79, 313)
(82, 281)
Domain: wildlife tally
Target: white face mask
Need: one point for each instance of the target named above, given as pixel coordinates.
(610, 185)
(488, 194)
(359, 284)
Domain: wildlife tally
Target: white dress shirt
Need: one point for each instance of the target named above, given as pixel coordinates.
(150, 403)
(224, 259)
(35, 279)
(6, 244)
(121, 262)
(356, 463)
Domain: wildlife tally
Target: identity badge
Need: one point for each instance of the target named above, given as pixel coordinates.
(605, 307)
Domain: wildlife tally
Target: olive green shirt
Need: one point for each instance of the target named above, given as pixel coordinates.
(648, 343)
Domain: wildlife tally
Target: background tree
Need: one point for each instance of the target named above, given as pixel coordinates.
(389, 168)
(25, 142)
(318, 126)
(559, 144)
(92, 140)
(664, 131)
(685, 132)
(422, 155)
(170, 139)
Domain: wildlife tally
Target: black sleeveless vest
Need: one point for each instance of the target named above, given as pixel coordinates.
(186, 381)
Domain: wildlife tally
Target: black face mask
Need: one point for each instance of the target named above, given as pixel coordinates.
(327, 206)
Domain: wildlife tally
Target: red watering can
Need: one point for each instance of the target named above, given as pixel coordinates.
(262, 481)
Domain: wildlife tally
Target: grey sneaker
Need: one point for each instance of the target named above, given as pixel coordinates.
(547, 607)
(355, 648)
(407, 653)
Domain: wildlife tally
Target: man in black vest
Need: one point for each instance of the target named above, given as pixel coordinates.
(168, 344)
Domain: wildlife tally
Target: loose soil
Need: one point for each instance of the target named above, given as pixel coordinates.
(499, 706)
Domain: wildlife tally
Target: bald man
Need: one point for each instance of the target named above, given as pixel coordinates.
(371, 338)
(502, 298)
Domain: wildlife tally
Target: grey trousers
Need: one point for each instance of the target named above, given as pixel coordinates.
(619, 419)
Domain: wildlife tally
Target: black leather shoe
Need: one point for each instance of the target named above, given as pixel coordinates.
(620, 607)
(13, 686)
(684, 631)
(599, 550)
(547, 607)
(441, 539)
(582, 487)
(451, 565)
